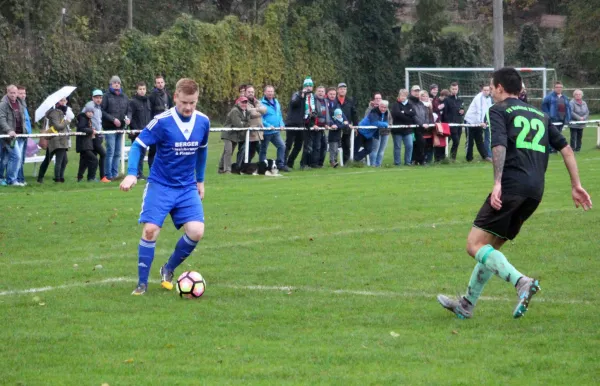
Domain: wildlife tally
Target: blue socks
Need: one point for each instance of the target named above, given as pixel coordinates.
(145, 257)
(183, 249)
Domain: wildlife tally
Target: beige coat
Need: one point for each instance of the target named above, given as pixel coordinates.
(256, 110)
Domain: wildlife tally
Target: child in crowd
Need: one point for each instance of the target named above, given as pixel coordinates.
(338, 124)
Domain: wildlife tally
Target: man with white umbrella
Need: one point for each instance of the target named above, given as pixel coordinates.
(12, 122)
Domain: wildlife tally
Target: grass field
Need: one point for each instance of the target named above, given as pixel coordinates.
(320, 277)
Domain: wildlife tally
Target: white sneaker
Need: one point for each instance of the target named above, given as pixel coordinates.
(19, 184)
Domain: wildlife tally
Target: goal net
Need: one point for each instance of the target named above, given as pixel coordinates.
(538, 81)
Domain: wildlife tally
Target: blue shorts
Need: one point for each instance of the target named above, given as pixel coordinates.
(183, 204)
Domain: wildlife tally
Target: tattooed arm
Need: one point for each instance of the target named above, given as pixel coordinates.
(498, 158)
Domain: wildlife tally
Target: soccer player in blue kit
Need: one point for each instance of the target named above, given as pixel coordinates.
(176, 182)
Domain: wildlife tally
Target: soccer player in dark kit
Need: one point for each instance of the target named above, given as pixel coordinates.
(521, 136)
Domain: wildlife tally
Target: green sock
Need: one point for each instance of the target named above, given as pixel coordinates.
(496, 262)
(479, 277)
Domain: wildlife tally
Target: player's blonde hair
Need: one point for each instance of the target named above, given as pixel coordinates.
(186, 86)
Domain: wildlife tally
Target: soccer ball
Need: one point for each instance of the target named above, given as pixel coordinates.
(191, 285)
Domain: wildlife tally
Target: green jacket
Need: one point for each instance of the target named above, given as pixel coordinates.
(56, 123)
(8, 121)
(236, 118)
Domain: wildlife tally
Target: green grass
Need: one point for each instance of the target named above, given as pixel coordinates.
(364, 251)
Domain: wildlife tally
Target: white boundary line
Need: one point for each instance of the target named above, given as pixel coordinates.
(287, 289)
(127, 251)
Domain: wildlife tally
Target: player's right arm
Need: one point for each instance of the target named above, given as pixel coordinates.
(497, 122)
(148, 136)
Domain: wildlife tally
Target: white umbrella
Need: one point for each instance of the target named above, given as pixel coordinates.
(53, 100)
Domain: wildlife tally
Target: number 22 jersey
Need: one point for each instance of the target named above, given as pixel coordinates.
(526, 133)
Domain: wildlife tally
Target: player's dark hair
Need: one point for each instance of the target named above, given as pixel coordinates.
(558, 83)
(159, 76)
(377, 93)
(21, 87)
(242, 87)
(140, 84)
(509, 78)
(454, 84)
(331, 89)
(444, 93)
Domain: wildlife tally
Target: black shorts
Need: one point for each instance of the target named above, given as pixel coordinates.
(506, 222)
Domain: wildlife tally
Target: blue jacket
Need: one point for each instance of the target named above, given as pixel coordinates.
(550, 107)
(375, 118)
(273, 116)
(27, 121)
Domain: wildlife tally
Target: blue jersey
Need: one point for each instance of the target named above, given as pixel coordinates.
(177, 147)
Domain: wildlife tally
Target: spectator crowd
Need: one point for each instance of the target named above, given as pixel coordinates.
(320, 121)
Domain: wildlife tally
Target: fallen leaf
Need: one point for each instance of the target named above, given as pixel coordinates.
(105, 384)
(394, 334)
(455, 332)
(169, 345)
(130, 360)
(42, 304)
(311, 239)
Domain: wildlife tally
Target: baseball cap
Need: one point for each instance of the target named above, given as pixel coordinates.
(97, 92)
(342, 85)
(415, 88)
(241, 99)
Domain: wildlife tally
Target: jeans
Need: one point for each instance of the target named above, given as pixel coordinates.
(293, 146)
(428, 150)
(455, 134)
(365, 143)
(407, 139)
(21, 175)
(323, 149)
(346, 134)
(576, 135)
(89, 161)
(487, 141)
(241, 154)
(276, 140)
(475, 136)
(113, 155)
(59, 166)
(3, 159)
(312, 148)
(16, 153)
(374, 150)
(99, 151)
(333, 152)
(225, 162)
(376, 156)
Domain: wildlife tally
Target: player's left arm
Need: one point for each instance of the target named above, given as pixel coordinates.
(579, 194)
(201, 155)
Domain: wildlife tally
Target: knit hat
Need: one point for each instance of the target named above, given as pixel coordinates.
(337, 112)
(115, 79)
(88, 107)
(308, 82)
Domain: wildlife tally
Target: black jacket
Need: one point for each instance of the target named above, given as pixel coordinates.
(295, 115)
(141, 112)
(160, 100)
(84, 142)
(452, 105)
(403, 115)
(349, 110)
(114, 106)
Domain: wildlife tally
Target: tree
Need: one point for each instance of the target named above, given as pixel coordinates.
(529, 51)
(431, 19)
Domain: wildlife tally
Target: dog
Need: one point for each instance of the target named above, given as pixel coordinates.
(266, 168)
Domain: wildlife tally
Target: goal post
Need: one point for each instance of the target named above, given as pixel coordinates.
(538, 80)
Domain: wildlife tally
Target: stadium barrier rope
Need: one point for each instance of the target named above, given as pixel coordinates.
(248, 129)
